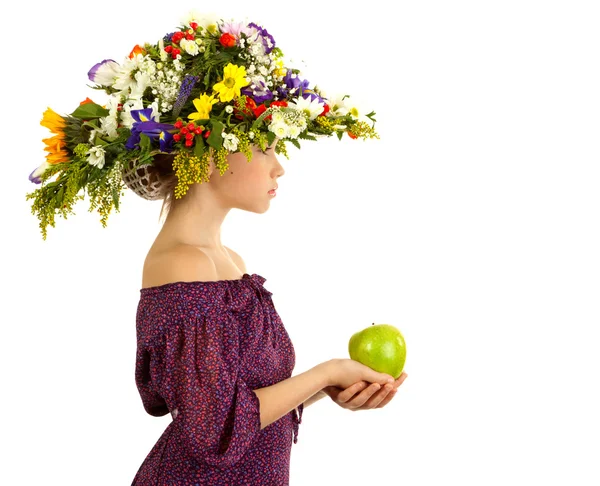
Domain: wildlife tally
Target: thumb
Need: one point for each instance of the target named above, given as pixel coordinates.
(382, 378)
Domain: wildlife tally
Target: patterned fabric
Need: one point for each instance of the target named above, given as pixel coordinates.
(202, 347)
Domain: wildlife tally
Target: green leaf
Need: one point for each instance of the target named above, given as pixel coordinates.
(295, 142)
(90, 124)
(115, 196)
(307, 136)
(90, 110)
(199, 146)
(215, 139)
(270, 137)
(144, 142)
(59, 197)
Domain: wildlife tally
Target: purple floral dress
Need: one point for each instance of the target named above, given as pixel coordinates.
(202, 347)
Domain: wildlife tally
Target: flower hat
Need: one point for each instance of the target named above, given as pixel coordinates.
(206, 90)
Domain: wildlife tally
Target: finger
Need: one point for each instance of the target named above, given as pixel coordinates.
(379, 397)
(387, 399)
(366, 394)
(352, 390)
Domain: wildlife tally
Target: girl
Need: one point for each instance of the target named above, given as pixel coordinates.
(213, 351)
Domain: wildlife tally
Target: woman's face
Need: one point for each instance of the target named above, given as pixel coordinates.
(245, 185)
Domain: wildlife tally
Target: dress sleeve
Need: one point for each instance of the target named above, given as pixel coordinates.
(218, 415)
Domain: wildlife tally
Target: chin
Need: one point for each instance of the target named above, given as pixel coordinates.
(256, 209)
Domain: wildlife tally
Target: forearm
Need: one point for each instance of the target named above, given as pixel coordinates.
(279, 399)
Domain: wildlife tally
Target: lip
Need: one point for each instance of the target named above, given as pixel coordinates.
(272, 192)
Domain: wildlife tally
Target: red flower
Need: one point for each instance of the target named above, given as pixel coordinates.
(259, 110)
(227, 40)
(250, 106)
(177, 36)
(325, 109)
(351, 135)
(262, 108)
(194, 25)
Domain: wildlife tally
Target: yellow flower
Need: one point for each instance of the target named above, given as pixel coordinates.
(53, 121)
(204, 106)
(56, 145)
(234, 78)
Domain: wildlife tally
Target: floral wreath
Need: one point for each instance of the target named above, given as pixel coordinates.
(208, 89)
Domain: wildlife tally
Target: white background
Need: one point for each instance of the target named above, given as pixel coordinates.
(471, 225)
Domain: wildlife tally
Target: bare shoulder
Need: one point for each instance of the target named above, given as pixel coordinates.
(181, 263)
(237, 259)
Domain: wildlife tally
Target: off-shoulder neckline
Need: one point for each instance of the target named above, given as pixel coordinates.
(181, 283)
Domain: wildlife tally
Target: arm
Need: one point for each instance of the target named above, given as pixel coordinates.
(279, 399)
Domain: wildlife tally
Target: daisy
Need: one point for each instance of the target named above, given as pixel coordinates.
(234, 78)
(311, 108)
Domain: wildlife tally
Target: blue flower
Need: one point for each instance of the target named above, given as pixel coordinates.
(154, 130)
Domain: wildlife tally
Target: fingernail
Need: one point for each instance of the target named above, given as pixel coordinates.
(391, 380)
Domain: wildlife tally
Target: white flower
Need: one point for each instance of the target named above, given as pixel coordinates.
(230, 141)
(190, 47)
(106, 72)
(294, 131)
(126, 119)
(96, 156)
(205, 20)
(123, 81)
(142, 81)
(311, 108)
(277, 117)
(279, 129)
(108, 126)
(229, 109)
(341, 107)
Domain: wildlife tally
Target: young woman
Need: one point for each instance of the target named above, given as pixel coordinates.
(197, 119)
(213, 351)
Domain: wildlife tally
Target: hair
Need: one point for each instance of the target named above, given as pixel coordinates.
(162, 172)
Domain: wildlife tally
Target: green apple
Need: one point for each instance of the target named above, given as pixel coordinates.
(380, 347)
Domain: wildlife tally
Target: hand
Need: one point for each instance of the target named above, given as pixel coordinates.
(364, 396)
(345, 372)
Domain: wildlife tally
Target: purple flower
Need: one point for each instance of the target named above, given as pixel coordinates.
(260, 93)
(104, 72)
(267, 39)
(184, 92)
(295, 83)
(152, 129)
